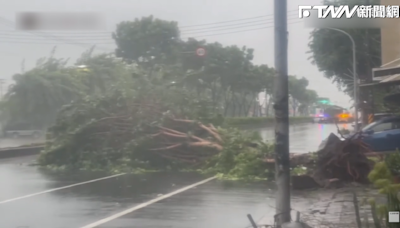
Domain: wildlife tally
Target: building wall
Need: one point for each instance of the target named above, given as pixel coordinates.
(390, 33)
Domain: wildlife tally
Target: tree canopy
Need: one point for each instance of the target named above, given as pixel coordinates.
(226, 74)
(331, 51)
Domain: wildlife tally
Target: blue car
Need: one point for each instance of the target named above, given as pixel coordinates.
(383, 135)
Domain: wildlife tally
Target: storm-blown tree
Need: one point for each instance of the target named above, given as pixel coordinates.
(140, 124)
(302, 97)
(147, 40)
(35, 97)
(226, 73)
(331, 51)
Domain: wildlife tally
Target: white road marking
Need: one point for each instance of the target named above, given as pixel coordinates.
(130, 210)
(56, 189)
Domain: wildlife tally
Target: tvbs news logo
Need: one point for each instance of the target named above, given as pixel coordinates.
(376, 11)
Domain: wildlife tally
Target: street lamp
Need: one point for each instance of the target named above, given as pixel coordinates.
(354, 76)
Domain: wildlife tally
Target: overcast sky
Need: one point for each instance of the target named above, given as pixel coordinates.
(185, 12)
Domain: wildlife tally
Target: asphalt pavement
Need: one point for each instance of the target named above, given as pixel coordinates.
(10, 142)
(34, 198)
(305, 137)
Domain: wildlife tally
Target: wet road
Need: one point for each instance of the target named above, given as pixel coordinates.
(33, 198)
(305, 137)
(213, 204)
(10, 142)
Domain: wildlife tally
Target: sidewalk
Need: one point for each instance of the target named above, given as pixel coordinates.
(334, 208)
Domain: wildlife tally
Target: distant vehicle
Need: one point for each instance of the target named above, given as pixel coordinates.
(382, 135)
(333, 114)
(345, 118)
(377, 117)
(17, 130)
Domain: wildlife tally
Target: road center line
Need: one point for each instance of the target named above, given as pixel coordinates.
(56, 189)
(130, 210)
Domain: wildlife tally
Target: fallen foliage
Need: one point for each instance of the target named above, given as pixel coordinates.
(342, 160)
(148, 130)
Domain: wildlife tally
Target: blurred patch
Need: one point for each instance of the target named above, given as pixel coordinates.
(312, 21)
(60, 21)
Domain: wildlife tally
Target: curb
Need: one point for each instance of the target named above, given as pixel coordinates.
(20, 151)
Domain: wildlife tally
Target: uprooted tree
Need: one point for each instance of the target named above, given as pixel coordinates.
(345, 160)
(141, 125)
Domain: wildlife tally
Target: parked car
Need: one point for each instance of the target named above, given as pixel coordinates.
(19, 129)
(377, 117)
(19, 133)
(382, 135)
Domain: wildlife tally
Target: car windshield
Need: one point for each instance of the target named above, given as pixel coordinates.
(369, 126)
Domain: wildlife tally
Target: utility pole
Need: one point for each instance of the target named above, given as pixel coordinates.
(281, 107)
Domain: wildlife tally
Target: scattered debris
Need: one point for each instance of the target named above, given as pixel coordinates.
(336, 162)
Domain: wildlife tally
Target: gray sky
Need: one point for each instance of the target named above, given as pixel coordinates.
(185, 12)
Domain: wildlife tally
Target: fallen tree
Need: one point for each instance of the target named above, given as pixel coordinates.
(145, 126)
(341, 160)
(151, 128)
(344, 160)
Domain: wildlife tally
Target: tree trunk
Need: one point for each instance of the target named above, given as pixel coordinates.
(268, 105)
(294, 106)
(255, 109)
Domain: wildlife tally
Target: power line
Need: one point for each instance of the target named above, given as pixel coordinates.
(269, 20)
(19, 38)
(97, 39)
(222, 29)
(74, 35)
(107, 35)
(107, 39)
(240, 31)
(47, 35)
(241, 23)
(47, 43)
(200, 36)
(222, 22)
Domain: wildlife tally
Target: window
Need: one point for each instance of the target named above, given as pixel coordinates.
(369, 126)
(396, 124)
(382, 127)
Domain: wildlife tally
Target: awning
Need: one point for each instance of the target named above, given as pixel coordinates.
(388, 74)
(390, 80)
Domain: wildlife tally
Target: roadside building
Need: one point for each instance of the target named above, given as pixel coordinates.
(388, 75)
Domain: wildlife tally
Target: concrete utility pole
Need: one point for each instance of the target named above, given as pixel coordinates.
(281, 107)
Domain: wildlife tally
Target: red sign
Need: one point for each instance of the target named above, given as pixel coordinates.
(201, 52)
